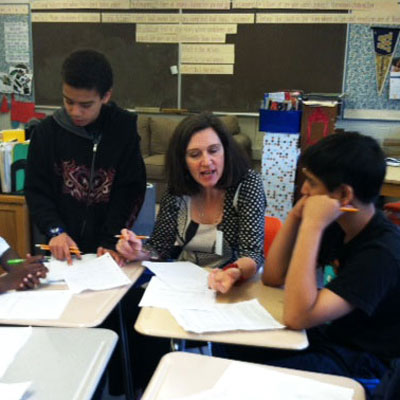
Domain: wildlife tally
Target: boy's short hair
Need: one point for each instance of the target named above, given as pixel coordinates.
(348, 158)
(88, 69)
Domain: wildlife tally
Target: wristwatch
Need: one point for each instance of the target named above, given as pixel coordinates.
(53, 232)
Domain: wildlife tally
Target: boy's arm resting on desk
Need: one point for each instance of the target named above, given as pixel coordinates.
(305, 306)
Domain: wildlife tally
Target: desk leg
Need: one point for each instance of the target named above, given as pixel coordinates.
(126, 358)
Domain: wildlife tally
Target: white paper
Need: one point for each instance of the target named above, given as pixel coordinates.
(13, 391)
(180, 275)
(11, 342)
(281, 386)
(159, 294)
(99, 274)
(262, 383)
(57, 268)
(33, 305)
(246, 315)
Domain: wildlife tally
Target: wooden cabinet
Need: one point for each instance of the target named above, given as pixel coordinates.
(14, 223)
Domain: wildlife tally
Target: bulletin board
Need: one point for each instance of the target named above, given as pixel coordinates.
(360, 78)
(16, 63)
(268, 57)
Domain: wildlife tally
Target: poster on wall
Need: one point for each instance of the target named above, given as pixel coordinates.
(385, 40)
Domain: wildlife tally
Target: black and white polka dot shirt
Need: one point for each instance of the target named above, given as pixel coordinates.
(242, 224)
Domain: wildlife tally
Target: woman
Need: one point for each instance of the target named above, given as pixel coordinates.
(213, 211)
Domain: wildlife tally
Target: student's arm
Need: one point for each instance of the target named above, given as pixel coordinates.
(304, 305)
(280, 253)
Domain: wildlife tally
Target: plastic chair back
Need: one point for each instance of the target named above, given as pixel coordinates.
(271, 228)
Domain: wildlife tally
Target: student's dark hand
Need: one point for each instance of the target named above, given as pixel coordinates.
(22, 277)
(116, 256)
(60, 247)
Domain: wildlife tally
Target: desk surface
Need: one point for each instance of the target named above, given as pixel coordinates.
(159, 322)
(87, 309)
(62, 364)
(177, 375)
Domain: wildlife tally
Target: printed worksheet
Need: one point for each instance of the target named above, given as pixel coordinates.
(182, 275)
(34, 305)
(99, 274)
(159, 294)
(246, 315)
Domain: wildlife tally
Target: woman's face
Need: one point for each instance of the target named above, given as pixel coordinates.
(205, 157)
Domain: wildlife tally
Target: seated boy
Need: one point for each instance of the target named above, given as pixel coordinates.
(357, 311)
(24, 275)
(354, 320)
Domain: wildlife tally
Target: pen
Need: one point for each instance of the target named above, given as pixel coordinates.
(72, 249)
(349, 209)
(138, 236)
(21, 260)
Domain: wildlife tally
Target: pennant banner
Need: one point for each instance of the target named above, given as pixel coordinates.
(385, 40)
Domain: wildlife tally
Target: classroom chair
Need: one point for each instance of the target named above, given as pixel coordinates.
(392, 210)
(271, 228)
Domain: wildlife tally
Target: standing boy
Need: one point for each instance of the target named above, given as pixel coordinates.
(355, 315)
(85, 176)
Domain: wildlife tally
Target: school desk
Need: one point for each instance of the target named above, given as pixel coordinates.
(62, 364)
(177, 375)
(391, 185)
(90, 309)
(159, 322)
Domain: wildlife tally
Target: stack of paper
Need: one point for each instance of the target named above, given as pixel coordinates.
(182, 288)
(98, 274)
(246, 315)
(262, 383)
(57, 268)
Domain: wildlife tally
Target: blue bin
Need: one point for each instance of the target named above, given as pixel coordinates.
(280, 121)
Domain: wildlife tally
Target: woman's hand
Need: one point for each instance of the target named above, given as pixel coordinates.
(222, 281)
(129, 246)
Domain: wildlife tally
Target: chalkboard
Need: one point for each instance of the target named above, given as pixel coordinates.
(141, 71)
(268, 57)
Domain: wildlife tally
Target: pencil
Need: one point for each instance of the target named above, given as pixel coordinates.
(72, 249)
(349, 209)
(138, 236)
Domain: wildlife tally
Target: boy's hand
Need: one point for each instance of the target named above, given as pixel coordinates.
(321, 210)
(59, 247)
(297, 210)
